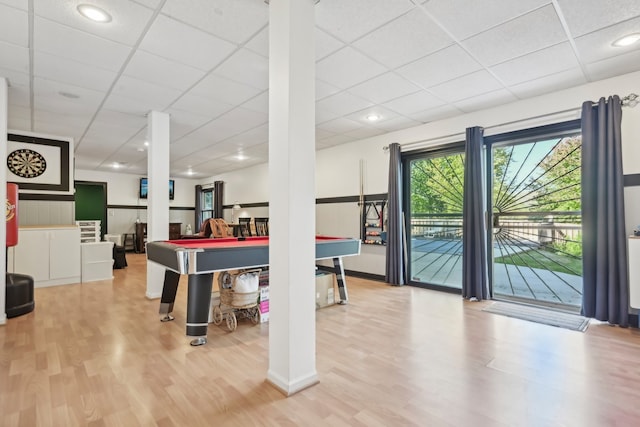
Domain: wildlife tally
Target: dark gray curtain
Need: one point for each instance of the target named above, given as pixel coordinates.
(474, 247)
(396, 268)
(604, 242)
(198, 218)
(218, 198)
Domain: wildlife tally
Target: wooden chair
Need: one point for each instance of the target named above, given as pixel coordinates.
(204, 233)
(245, 227)
(262, 226)
(221, 228)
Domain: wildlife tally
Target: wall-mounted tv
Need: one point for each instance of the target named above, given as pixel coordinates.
(144, 188)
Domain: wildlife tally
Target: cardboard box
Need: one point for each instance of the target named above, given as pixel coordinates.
(325, 294)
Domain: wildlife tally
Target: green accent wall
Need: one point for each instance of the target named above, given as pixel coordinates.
(91, 203)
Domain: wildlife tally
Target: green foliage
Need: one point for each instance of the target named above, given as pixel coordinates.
(437, 184)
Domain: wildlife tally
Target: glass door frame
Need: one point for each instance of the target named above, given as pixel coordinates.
(457, 147)
(508, 139)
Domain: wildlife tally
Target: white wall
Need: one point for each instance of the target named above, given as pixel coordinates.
(337, 168)
(123, 190)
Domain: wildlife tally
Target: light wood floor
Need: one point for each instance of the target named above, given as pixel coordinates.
(96, 354)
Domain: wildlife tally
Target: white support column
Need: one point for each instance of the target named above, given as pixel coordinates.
(292, 321)
(4, 114)
(158, 199)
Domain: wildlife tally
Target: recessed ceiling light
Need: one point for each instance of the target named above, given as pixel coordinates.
(68, 95)
(116, 165)
(146, 143)
(627, 40)
(140, 149)
(240, 157)
(373, 117)
(94, 13)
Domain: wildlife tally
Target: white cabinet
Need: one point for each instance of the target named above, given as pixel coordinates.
(97, 261)
(51, 255)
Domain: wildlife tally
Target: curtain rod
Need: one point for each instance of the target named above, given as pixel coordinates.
(630, 100)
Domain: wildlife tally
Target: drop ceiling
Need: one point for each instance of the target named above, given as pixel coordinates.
(205, 62)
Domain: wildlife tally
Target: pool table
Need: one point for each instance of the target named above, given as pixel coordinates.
(200, 258)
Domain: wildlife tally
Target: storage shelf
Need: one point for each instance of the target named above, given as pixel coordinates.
(373, 221)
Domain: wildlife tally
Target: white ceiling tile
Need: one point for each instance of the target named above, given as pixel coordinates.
(538, 64)
(403, 40)
(247, 68)
(584, 16)
(179, 42)
(132, 123)
(128, 18)
(205, 106)
(17, 4)
(434, 114)
(382, 113)
(325, 89)
(486, 100)
(260, 103)
(76, 73)
(340, 125)
(322, 133)
(225, 90)
(156, 97)
(230, 124)
(463, 18)
(255, 136)
(384, 88)
(343, 103)
(78, 122)
(47, 95)
(122, 104)
(439, 67)
(232, 20)
(365, 132)
(182, 122)
(337, 16)
(418, 101)
(19, 97)
(21, 113)
(325, 115)
(397, 123)
(260, 43)
(528, 33)
(152, 4)
(467, 86)
(615, 66)
(19, 123)
(14, 57)
(551, 83)
(161, 71)
(79, 46)
(597, 46)
(15, 78)
(346, 68)
(326, 44)
(335, 140)
(14, 26)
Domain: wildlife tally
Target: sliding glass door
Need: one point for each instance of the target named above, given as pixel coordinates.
(536, 235)
(434, 185)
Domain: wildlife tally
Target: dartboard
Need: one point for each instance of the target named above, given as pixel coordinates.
(26, 163)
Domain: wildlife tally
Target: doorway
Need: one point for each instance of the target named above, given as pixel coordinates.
(535, 239)
(434, 183)
(91, 203)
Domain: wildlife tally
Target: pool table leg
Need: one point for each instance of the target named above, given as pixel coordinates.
(169, 290)
(198, 302)
(342, 284)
